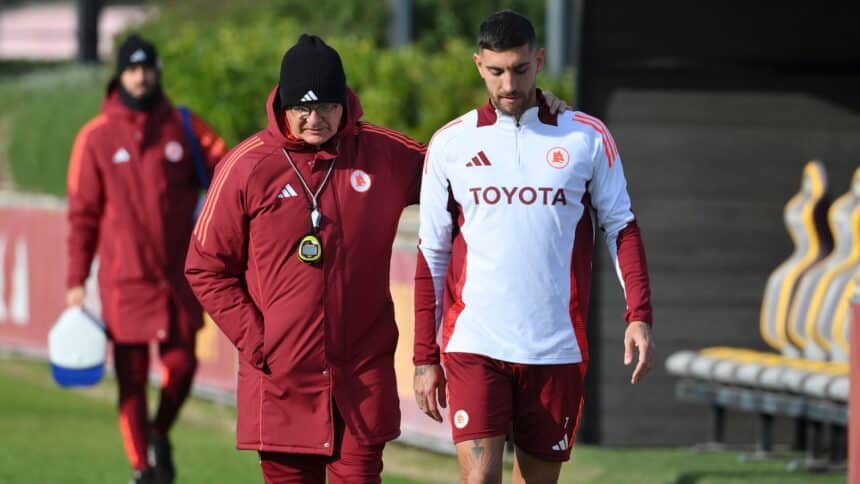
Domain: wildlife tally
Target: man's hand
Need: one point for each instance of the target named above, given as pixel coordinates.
(75, 297)
(429, 385)
(556, 105)
(638, 335)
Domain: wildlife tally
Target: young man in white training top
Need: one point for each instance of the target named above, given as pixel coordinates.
(511, 200)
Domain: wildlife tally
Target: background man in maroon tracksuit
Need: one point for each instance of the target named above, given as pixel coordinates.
(132, 195)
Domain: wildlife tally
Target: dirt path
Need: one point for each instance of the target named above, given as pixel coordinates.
(48, 32)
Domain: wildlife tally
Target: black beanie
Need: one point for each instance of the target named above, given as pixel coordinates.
(136, 50)
(311, 72)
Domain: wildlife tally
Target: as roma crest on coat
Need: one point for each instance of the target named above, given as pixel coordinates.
(360, 181)
(173, 151)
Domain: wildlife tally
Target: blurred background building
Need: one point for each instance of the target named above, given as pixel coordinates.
(716, 107)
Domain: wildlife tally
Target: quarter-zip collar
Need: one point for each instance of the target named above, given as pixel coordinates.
(488, 115)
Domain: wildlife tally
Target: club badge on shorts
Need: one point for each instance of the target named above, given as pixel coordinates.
(461, 419)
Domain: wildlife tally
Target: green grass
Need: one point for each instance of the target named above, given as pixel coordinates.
(70, 436)
(63, 436)
(41, 113)
(16, 67)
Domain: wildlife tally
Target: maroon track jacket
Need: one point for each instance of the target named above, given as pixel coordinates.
(132, 193)
(309, 336)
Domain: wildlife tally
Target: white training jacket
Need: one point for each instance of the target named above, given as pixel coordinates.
(520, 196)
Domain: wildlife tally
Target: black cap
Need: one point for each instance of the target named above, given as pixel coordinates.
(136, 51)
(311, 72)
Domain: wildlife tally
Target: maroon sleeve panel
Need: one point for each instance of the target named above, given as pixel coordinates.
(634, 272)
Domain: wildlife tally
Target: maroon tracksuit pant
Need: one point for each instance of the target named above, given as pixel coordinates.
(352, 462)
(178, 364)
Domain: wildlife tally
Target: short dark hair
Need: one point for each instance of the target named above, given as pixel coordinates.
(505, 30)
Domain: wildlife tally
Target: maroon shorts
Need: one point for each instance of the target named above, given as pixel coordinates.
(541, 402)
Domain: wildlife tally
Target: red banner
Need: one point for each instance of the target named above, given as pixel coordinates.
(33, 267)
(32, 291)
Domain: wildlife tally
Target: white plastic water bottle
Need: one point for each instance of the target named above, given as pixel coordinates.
(77, 345)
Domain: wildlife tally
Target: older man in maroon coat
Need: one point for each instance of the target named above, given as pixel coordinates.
(291, 258)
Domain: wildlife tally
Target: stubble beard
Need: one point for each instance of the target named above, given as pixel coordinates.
(516, 109)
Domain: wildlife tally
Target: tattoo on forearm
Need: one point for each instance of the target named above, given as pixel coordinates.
(420, 370)
(477, 450)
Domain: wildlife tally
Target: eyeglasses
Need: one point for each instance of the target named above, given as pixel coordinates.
(323, 109)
